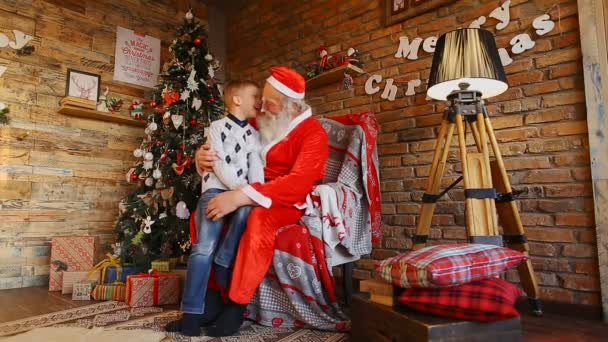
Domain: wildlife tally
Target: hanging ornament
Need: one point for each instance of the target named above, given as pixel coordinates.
(170, 97)
(211, 71)
(177, 120)
(185, 95)
(189, 16)
(138, 153)
(208, 57)
(153, 104)
(134, 177)
(148, 225)
(148, 156)
(198, 41)
(180, 166)
(166, 194)
(167, 115)
(129, 175)
(163, 156)
(149, 181)
(212, 100)
(197, 103)
(192, 83)
(153, 126)
(181, 210)
(147, 131)
(157, 174)
(148, 164)
(192, 122)
(162, 216)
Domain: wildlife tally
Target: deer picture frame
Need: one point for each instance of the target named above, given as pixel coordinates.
(82, 84)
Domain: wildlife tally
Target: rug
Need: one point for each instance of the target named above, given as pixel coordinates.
(63, 334)
(119, 316)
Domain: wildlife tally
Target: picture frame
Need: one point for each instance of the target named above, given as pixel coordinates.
(399, 10)
(83, 84)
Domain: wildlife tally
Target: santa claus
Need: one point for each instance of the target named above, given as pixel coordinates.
(295, 151)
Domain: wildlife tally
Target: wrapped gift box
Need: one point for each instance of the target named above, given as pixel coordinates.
(119, 273)
(114, 291)
(152, 289)
(162, 265)
(74, 253)
(82, 290)
(71, 278)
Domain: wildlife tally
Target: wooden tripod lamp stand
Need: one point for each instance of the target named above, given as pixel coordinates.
(466, 70)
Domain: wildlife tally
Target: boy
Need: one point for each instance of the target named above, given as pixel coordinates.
(238, 145)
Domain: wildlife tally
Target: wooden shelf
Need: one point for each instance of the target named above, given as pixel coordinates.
(96, 115)
(331, 76)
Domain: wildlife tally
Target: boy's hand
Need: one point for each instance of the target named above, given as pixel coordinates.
(205, 158)
(225, 203)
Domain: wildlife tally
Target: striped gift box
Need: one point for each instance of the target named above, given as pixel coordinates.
(109, 292)
(77, 253)
(152, 289)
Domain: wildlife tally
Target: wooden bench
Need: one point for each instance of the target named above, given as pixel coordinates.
(376, 322)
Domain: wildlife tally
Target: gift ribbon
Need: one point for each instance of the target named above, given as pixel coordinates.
(111, 261)
(155, 275)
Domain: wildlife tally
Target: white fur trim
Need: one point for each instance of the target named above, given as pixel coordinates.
(257, 197)
(284, 89)
(292, 125)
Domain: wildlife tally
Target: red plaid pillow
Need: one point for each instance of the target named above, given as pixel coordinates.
(447, 265)
(490, 299)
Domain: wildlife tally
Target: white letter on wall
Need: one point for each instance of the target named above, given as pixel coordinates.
(429, 44)
(370, 89)
(411, 84)
(20, 40)
(502, 14)
(390, 90)
(543, 24)
(478, 22)
(521, 43)
(408, 50)
(504, 57)
(3, 40)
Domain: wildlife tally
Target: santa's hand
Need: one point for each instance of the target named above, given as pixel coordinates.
(225, 203)
(205, 158)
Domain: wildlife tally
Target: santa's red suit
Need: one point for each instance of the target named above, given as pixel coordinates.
(294, 163)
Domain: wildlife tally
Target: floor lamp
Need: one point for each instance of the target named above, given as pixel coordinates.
(466, 70)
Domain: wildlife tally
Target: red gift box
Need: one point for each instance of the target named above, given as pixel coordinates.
(152, 289)
(77, 253)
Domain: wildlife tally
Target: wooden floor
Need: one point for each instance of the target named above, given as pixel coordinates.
(22, 303)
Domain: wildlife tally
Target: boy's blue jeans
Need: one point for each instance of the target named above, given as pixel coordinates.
(203, 253)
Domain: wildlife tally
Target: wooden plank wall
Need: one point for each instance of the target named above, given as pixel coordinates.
(62, 175)
(593, 16)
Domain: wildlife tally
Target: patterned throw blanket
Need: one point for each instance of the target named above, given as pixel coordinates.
(298, 290)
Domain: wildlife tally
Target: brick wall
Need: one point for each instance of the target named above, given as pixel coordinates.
(540, 121)
(61, 175)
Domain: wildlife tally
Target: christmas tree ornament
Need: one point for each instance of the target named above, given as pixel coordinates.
(162, 216)
(149, 181)
(134, 177)
(148, 164)
(192, 83)
(138, 153)
(167, 193)
(129, 174)
(157, 173)
(181, 210)
(192, 122)
(211, 71)
(177, 120)
(208, 57)
(189, 16)
(198, 41)
(212, 100)
(185, 95)
(153, 126)
(148, 156)
(153, 104)
(148, 222)
(166, 115)
(197, 103)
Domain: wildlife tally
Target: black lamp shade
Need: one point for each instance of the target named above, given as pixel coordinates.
(466, 56)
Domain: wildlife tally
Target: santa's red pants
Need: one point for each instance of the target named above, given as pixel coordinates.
(256, 249)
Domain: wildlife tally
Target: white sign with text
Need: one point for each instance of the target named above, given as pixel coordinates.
(137, 58)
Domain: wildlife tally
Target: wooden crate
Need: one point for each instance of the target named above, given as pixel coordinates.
(375, 322)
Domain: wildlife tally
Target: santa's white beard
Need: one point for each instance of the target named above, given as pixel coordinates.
(272, 126)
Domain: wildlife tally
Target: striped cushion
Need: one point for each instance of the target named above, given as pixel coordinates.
(447, 265)
(489, 299)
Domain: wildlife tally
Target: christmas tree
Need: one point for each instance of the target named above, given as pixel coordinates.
(154, 218)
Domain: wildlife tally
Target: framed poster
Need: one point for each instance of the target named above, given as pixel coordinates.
(136, 58)
(82, 84)
(399, 10)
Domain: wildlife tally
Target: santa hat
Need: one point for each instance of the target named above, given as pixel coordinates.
(287, 81)
(323, 51)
